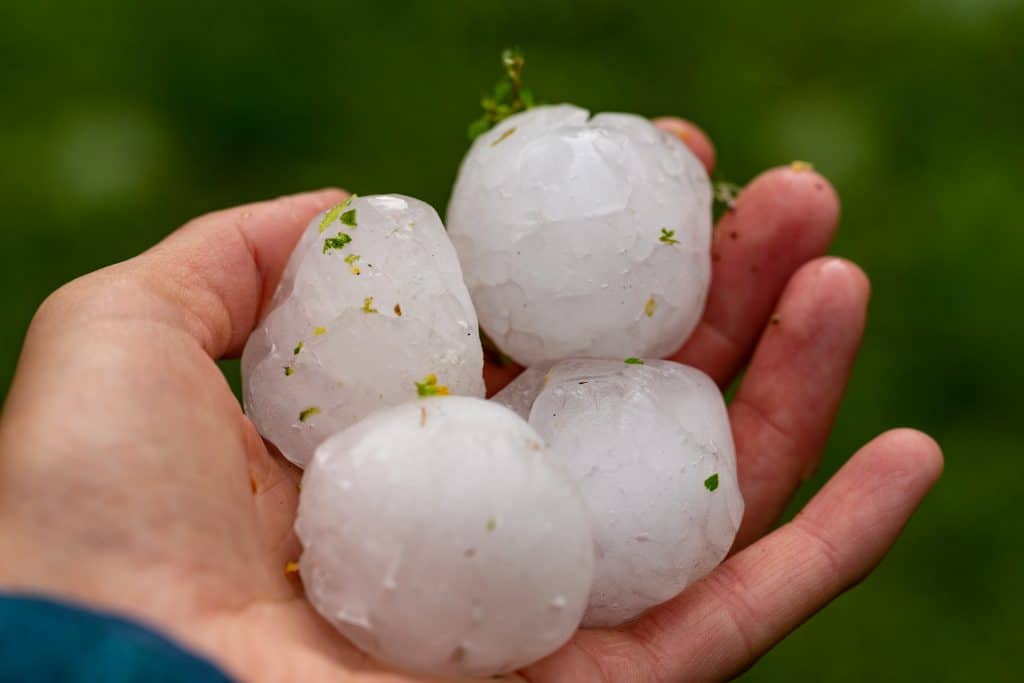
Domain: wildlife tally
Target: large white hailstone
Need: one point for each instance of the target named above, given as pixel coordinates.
(583, 237)
(371, 303)
(650, 447)
(440, 538)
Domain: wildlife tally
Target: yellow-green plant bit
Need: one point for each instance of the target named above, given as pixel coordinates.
(337, 242)
(336, 211)
(308, 413)
(504, 136)
(430, 387)
(649, 307)
(726, 193)
(508, 97)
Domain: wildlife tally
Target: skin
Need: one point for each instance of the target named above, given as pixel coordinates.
(131, 480)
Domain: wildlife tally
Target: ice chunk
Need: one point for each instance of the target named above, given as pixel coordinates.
(650, 447)
(440, 538)
(568, 229)
(371, 301)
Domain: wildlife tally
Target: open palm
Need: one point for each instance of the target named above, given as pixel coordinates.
(129, 477)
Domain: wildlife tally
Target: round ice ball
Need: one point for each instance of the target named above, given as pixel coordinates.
(583, 237)
(649, 445)
(371, 303)
(440, 538)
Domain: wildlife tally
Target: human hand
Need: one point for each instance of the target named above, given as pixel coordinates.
(130, 479)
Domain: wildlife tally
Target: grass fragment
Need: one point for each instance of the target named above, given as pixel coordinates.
(337, 242)
(649, 307)
(335, 211)
(430, 387)
(507, 98)
(504, 136)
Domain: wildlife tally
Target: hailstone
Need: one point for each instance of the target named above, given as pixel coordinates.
(440, 538)
(583, 236)
(649, 445)
(371, 310)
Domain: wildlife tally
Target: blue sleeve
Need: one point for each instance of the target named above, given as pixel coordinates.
(45, 640)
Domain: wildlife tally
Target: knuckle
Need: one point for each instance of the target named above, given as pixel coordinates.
(89, 296)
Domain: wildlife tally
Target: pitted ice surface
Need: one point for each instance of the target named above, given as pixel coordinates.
(583, 237)
(650, 447)
(371, 302)
(440, 538)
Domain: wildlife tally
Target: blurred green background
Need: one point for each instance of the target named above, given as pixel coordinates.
(120, 120)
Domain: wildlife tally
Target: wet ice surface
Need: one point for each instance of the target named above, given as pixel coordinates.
(558, 225)
(371, 302)
(643, 443)
(439, 537)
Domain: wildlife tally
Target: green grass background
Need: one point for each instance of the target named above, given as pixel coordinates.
(120, 120)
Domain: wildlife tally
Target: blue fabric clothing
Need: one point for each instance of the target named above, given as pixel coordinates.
(46, 640)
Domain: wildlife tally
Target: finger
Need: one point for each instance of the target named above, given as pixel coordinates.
(691, 136)
(784, 218)
(784, 409)
(221, 269)
(497, 374)
(722, 624)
